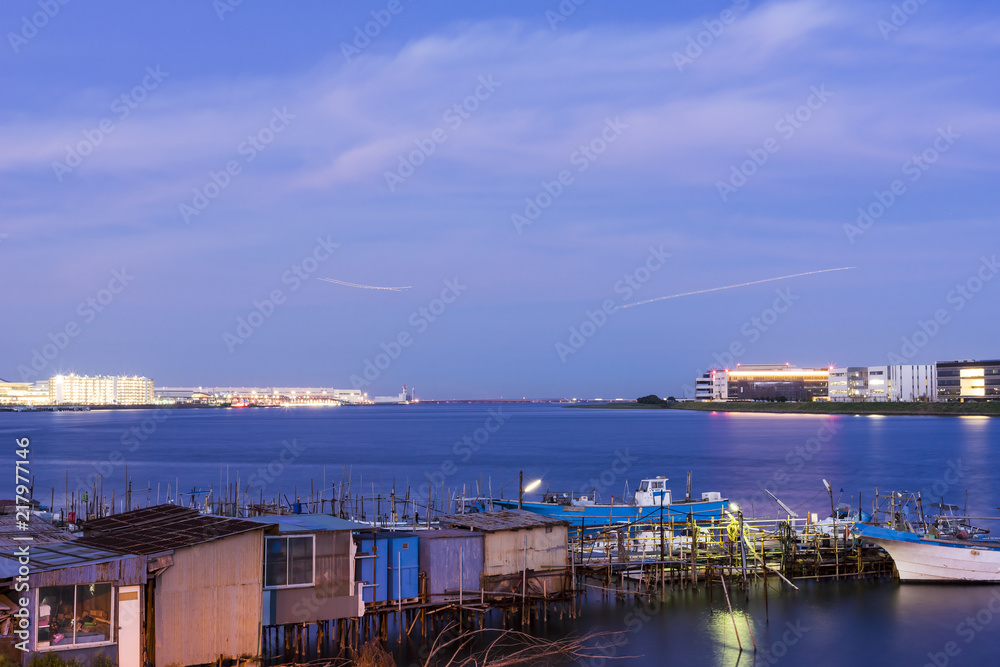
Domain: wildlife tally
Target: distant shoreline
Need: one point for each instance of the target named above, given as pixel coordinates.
(985, 409)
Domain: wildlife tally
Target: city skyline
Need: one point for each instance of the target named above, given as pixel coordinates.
(237, 194)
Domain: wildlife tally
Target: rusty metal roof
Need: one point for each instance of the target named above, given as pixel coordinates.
(40, 530)
(161, 528)
(57, 556)
(491, 522)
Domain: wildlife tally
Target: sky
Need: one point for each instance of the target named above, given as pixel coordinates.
(177, 178)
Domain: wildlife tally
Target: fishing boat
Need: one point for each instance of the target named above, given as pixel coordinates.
(652, 501)
(937, 556)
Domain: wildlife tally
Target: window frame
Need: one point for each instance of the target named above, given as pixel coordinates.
(288, 562)
(74, 645)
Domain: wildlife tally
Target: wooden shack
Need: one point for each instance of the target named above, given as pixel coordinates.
(309, 576)
(519, 547)
(204, 591)
(451, 561)
(83, 602)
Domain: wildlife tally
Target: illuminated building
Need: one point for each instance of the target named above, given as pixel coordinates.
(903, 382)
(286, 396)
(763, 382)
(968, 380)
(23, 393)
(100, 390)
(712, 386)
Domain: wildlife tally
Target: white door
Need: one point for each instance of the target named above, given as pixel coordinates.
(130, 626)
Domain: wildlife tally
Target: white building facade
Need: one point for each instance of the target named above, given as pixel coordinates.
(713, 385)
(100, 390)
(906, 382)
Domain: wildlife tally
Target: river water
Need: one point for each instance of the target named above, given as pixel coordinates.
(281, 450)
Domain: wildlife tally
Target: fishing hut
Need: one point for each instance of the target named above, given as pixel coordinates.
(522, 551)
(388, 570)
(310, 592)
(84, 603)
(452, 563)
(202, 599)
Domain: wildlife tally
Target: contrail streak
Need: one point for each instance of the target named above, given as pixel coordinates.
(752, 282)
(347, 284)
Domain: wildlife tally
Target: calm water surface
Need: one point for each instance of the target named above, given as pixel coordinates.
(576, 449)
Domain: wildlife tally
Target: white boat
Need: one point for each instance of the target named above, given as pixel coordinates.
(936, 558)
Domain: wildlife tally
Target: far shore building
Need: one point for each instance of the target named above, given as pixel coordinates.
(712, 386)
(287, 396)
(968, 380)
(23, 393)
(763, 382)
(100, 390)
(903, 382)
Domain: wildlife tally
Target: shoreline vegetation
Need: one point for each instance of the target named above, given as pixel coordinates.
(949, 409)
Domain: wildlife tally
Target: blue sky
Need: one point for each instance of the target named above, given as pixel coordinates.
(514, 159)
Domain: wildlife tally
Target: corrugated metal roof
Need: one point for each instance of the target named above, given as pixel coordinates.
(40, 530)
(161, 528)
(448, 533)
(491, 522)
(307, 523)
(57, 556)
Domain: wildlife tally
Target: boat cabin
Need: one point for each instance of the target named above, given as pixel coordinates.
(653, 493)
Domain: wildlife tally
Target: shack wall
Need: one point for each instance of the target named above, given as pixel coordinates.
(208, 603)
(446, 553)
(333, 595)
(546, 547)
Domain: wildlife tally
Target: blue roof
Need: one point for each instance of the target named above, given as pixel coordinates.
(309, 523)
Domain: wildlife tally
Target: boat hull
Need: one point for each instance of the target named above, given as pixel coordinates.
(930, 560)
(603, 515)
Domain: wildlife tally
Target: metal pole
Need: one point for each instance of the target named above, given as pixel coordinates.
(520, 490)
